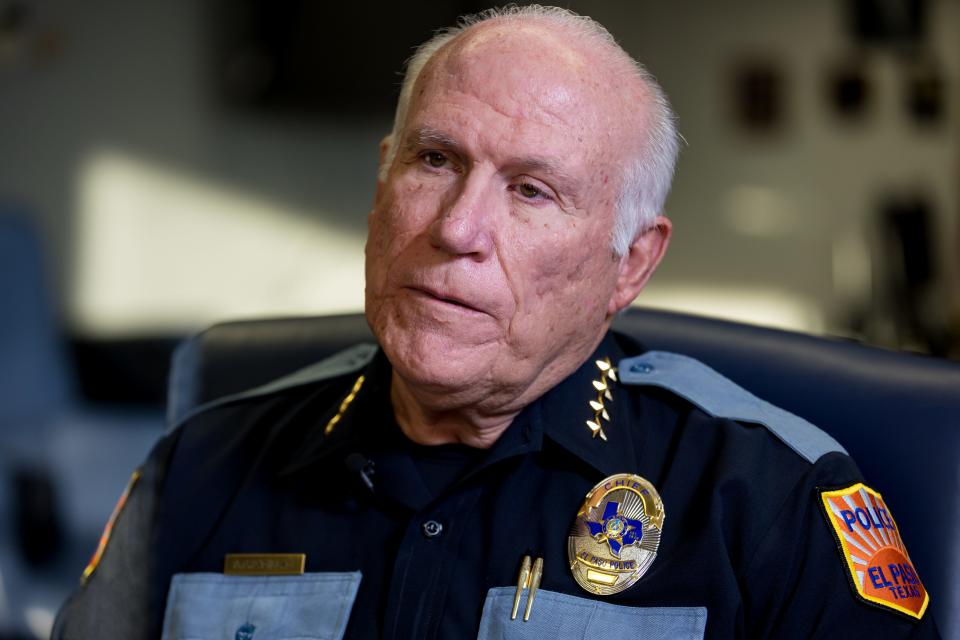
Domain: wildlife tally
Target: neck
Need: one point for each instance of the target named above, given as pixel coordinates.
(424, 424)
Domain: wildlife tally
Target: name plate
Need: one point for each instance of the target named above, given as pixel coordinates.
(264, 564)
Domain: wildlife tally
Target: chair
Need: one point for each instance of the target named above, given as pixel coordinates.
(897, 414)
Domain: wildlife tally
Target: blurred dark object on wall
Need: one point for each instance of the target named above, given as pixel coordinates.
(898, 23)
(924, 91)
(298, 57)
(759, 95)
(850, 89)
(909, 280)
(24, 39)
(14, 16)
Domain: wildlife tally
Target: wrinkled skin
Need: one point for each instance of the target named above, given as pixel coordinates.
(490, 275)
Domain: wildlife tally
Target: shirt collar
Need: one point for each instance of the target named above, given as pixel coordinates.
(360, 420)
(565, 410)
(559, 416)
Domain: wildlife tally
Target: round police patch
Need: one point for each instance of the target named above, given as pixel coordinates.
(616, 534)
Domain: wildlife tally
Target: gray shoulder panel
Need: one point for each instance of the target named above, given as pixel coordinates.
(344, 362)
(720, 397)
(347, 361)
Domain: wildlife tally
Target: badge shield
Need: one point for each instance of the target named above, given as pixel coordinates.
(616, 534)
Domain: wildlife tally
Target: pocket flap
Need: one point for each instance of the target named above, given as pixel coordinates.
(558, 616)
(213, 606)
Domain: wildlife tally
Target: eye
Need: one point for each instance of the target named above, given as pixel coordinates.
(434, 159)
(531, 192)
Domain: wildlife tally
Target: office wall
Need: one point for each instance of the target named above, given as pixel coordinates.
(163, 211)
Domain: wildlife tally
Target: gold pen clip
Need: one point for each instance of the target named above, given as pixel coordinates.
(534, 585)
(528, 579)
(521, 585)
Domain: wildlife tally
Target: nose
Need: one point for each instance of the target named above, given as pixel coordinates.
(464, 227)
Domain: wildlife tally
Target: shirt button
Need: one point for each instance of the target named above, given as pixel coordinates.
(432, 528)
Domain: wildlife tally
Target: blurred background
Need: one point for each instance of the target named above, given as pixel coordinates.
(165, 164)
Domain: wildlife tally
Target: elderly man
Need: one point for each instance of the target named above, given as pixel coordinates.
(435, 488)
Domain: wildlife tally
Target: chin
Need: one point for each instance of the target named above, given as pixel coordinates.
(434, 359)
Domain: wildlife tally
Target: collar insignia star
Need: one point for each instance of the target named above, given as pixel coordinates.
(608, 373)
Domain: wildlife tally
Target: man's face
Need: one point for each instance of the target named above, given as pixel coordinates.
(490, 275)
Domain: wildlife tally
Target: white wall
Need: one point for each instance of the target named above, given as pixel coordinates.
(116, 144)
(149, 194)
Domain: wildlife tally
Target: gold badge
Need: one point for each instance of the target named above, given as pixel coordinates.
(615, 537)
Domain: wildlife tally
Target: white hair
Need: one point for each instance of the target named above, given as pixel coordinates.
(646, 176)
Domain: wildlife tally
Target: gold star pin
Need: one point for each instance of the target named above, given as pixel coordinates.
(600, 413)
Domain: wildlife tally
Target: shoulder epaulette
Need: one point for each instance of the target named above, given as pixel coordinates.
(342, 363)
(720, 397)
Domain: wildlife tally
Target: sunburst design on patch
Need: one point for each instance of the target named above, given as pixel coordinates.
(608, 373)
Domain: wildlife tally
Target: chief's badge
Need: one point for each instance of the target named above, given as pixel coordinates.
(615, 537)
(880, 569)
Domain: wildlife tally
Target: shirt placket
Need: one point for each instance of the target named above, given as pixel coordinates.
(426, 565)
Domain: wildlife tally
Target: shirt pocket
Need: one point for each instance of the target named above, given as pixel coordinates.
(212, 606)
(558, 616)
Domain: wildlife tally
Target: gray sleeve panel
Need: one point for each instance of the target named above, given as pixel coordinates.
(347, 361)
(722, 398)
(115, 602)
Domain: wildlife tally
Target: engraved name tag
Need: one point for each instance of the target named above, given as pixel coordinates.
(264, 564)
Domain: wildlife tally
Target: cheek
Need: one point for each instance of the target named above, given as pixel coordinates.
(575, 276)
(408, 209)
(559, 269)
(381, 250)
(395, 229)
(403, 213)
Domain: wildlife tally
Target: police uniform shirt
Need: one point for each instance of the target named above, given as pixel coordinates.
(396, 549)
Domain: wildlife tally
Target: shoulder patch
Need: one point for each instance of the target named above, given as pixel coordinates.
(879, 567)
(722, 398)
(347, 361)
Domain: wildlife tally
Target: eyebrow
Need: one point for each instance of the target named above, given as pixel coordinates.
(429, 137)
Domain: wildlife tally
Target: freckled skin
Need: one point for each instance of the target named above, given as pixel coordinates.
(489, 282)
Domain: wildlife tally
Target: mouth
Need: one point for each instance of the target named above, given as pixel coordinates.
(447, 299)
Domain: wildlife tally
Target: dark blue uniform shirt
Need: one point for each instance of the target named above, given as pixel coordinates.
(745, 546)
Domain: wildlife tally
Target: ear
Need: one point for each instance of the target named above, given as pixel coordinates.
(382, 169)
(384, 148)
(639, 263)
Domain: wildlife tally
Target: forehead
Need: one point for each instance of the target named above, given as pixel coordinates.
(528, 83)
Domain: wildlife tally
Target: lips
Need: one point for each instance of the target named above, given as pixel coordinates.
(447, 298)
